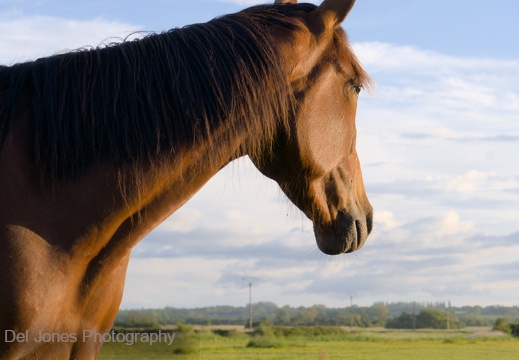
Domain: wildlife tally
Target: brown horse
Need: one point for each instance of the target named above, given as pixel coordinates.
(98, 147)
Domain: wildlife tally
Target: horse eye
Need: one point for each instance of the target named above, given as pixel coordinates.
(349, 87)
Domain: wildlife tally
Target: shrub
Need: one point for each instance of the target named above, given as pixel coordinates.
(514, 329)
(185, 344)
(502, 324)
(185, 329)
(265, 328)
(264, 336)
(309, 331)
(231, 333)
(265, 342)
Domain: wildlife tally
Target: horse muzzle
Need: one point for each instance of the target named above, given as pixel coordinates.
(346, 234)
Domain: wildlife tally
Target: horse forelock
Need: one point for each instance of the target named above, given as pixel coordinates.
(142, 100)
(344, 49)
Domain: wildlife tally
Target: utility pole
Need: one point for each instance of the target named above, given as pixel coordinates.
(448, 320)
(351, 311)
(414, 317)
(250, 280)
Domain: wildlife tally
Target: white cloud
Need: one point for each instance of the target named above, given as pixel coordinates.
(387, 219)
(469, 182)
(387, 57)
(182, 221)
(26, 38)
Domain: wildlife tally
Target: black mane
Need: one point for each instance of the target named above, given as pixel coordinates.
(142, 99)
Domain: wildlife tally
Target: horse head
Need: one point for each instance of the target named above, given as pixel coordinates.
(315, 161)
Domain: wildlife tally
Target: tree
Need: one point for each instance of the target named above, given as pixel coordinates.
(428, 318)
(431, 319)
(502, 324)
(404, 321)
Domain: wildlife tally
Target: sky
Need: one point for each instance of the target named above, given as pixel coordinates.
(438, 141)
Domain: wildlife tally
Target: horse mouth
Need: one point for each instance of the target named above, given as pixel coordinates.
(345, 235)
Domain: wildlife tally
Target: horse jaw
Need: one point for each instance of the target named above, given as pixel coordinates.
(340, 211)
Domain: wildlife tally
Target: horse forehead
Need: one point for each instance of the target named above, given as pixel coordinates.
(313, 54)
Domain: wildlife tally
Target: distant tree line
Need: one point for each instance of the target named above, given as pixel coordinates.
(427, 318)
(391, 315)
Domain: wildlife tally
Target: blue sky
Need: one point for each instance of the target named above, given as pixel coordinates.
(438, 140)
(463, 28)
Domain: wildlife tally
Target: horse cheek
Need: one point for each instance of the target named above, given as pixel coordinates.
(324, 144)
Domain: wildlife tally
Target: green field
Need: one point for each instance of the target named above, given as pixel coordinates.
(370, 344)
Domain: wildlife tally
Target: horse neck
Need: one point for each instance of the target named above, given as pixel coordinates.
(143, 203)
(166, 187)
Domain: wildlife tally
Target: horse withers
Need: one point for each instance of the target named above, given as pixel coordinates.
(98, 147)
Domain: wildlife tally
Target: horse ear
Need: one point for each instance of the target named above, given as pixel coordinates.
(285, 2)
(333, 12)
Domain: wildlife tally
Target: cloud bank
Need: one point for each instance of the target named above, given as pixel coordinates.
(438, 141)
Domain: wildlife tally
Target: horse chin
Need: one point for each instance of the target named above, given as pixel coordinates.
(345, 235)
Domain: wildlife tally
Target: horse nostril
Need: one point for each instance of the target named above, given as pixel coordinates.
(369, 222)
(358, 227)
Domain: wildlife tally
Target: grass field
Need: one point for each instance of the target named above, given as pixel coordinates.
(370, 344)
